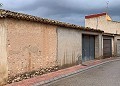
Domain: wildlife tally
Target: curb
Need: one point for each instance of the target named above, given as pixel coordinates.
(73, 73)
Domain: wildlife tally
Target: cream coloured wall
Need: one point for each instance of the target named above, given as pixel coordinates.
(69, 46)
(3, 54)
(103, 24)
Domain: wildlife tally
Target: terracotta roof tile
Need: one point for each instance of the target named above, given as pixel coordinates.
(21, 16)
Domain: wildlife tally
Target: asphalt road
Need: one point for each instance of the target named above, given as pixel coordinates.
(105, 75)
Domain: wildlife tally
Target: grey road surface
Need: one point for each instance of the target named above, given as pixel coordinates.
(105, 75)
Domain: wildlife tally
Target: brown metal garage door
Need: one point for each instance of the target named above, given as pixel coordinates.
(107, 48)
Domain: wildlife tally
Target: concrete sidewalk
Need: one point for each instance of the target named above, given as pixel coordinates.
(46, 78)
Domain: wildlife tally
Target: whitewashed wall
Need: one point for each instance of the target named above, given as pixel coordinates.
(3, 54)
(69, 46)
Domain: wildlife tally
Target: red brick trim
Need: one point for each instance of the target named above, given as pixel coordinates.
(95, 15)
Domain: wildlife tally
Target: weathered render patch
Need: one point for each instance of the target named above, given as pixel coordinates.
(3, 54)
(69, 47)
(30, 46)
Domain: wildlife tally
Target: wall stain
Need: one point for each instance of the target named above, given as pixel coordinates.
(63, 59)
(11, 52)
(29, 63)
(79, 59)
(32, 49)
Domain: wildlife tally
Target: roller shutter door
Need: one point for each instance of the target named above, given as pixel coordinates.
(107, 48)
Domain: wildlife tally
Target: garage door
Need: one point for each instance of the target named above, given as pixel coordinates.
(118, 47)
(107, 48)
(88, 47)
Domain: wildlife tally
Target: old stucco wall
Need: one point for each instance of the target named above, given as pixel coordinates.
(69, 46)
(3, 54)
(103, 24)
(30, 46)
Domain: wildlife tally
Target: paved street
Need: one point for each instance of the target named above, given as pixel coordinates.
(105, 75)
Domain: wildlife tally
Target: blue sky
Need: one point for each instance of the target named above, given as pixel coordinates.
(71, 11)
